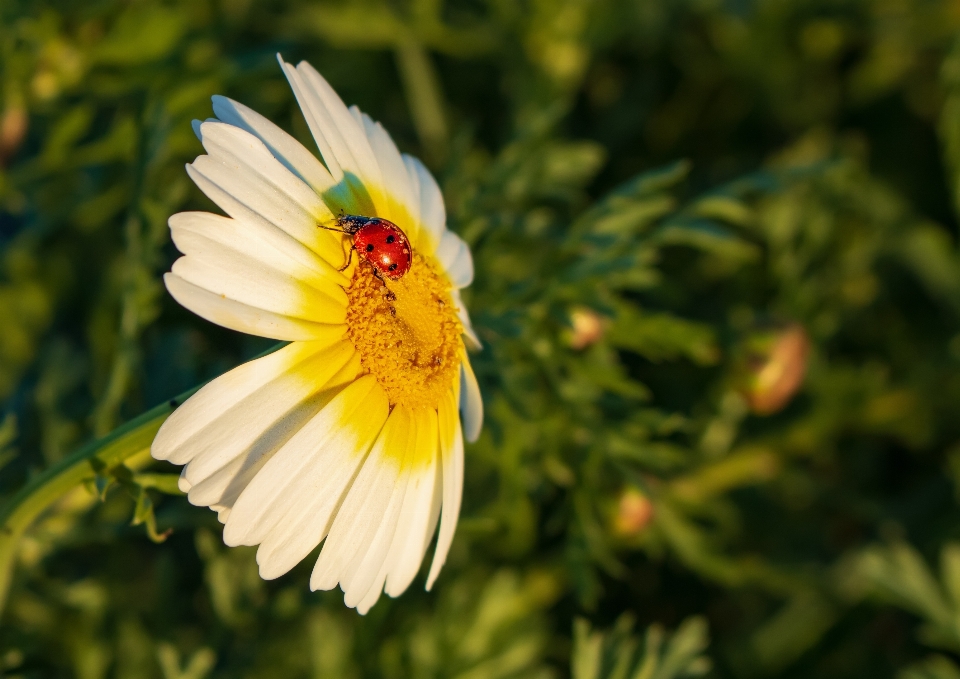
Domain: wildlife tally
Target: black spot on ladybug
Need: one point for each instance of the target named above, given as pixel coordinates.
(369, 247)
(390, 239)
(393, 267)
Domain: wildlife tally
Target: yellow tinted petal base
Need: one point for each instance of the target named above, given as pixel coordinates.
(406, 332)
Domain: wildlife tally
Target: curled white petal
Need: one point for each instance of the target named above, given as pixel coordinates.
(473, 342)
(454, 255)
(431, 212)
(451, 444)
(471, 403)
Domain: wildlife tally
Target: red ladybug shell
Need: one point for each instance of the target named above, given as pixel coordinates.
(384, 245)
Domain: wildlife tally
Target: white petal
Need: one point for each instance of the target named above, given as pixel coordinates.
(392, 168)
(454, 255)
(226, 453)
(226, 258)
(306, 516)
(257, 277)
(422, 489)
(432, 212)
(451, 445)
(403, 208)
(339, 137)
(195, 124)
(284, 148)
(259, 240)
(345, 133)
(182, 484)
(366, 506)
(312, 500)
(473, 342)
(253, 163)
(413, 177)
(315, 115)
(243, 317)
(250, 232)
(245, 180)
(360, 578)
(407, 536)
(331, 444)
(417, 517)
(372, 176)
(210, 402)
(437, 501)
(231, 427)
(471, 402)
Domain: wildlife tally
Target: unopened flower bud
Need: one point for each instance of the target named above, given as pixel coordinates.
(777, 364)
(13, 128)
(634, 513)
(587, 327)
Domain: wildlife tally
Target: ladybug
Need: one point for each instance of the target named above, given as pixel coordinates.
(380, 242)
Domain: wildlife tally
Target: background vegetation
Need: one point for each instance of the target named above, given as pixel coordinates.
(718, 285)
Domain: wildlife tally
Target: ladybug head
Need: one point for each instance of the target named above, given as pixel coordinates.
(352, 223)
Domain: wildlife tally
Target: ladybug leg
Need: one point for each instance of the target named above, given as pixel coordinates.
(349, 259)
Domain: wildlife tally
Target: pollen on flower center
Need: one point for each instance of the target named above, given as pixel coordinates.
(406, 332)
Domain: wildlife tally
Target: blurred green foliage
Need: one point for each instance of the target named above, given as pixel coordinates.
(718, 286)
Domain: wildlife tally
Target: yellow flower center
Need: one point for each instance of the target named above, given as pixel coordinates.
(406, 332)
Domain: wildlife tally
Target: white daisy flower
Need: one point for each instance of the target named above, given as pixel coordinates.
(352, 433)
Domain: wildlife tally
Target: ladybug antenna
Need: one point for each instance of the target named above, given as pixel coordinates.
(338, 228)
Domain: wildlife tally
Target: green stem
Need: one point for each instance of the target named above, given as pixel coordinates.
(43, 490)
(108, 452)
(424, 96)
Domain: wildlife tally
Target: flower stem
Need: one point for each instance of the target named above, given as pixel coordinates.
(81, 466)
(46, 488)
(424, 96)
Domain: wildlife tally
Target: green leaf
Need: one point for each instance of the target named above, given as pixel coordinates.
(662, 336)
(614, 654)
(707, 236)
(683, 654)
(140, 35)
(931, 667)
(165, 483)
(899, 574)
(949, 124)
(143, 514)
(796, 628)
